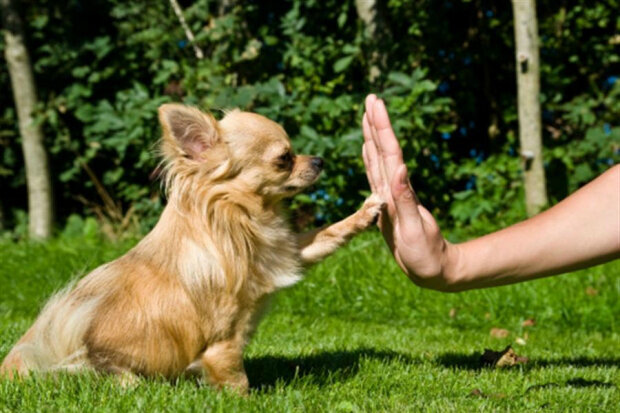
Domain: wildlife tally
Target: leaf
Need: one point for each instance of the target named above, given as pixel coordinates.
(445, 128)
(591, 291)
(342, 63)
(499, 333)
(500, 359)
(401, 79)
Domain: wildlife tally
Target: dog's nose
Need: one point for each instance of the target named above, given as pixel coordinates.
(317, 163)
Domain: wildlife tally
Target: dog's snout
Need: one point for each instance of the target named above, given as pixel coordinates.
(317, 163)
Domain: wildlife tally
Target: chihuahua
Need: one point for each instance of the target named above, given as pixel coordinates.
(189, 295)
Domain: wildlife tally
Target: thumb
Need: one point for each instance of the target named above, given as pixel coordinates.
(405, 200)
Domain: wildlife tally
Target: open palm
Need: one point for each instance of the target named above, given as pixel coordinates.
(409, 229)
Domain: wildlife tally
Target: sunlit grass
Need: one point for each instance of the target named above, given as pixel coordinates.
(356, 335)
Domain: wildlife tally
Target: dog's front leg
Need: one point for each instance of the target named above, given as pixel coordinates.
(319, 243)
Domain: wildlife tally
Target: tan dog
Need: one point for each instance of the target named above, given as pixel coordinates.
(189, 295)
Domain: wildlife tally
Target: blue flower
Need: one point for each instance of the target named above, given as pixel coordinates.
(607, 129)
(441, 53)
(467, 60)
(489, 13)
(473, 153)
(463, 130)
(611, 80)
(445, 136)
(182, 44)
(471, 183)
(443, 87)
(339, 201)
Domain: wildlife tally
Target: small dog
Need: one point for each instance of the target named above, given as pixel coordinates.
(190, 294)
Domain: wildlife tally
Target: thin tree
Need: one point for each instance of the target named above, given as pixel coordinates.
(528, 85)
(25, 96)
(368, 11)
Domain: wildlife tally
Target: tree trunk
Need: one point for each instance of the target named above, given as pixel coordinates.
(528, 85)
(368, 12)
(24, 94)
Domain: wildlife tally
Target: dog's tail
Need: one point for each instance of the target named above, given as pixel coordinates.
(56, 340)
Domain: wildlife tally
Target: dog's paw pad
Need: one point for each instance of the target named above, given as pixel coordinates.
(372, 208)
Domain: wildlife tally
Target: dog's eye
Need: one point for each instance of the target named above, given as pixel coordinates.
(285, 160)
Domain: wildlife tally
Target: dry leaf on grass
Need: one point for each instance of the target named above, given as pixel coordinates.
(452, 313)
(499, 332)
(591, 291)
(499, 359)
(520, 341)
(529, 322)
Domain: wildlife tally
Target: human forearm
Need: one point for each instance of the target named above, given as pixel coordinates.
(580, 231)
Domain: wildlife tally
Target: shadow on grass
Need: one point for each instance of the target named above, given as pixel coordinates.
(472, 362)
(577, 382)
(320, 369)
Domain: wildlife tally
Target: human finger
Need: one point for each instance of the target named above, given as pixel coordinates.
(370, 106)
(387, 144)
(405, 200)
(369, 169)
(373, 162)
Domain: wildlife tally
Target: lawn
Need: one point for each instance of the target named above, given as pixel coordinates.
(356, 335)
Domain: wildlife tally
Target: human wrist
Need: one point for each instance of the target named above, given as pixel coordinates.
(453, 268)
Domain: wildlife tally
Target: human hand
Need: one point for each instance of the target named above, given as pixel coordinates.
(409, 229)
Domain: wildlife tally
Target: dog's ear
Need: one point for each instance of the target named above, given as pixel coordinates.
(188, 132)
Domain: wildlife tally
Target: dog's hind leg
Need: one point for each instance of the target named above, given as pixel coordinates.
(13, 365)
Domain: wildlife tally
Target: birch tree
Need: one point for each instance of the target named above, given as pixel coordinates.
(368, 12)
(528, 99)
(25, 97)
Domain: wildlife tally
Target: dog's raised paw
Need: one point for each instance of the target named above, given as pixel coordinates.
(372, 209)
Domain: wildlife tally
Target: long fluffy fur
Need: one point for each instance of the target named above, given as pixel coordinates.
(192, 291)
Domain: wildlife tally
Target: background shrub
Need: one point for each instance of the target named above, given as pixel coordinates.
(447, 72)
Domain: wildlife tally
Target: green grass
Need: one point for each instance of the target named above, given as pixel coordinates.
(356, 335)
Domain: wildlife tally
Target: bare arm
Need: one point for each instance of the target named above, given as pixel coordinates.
(582, 230)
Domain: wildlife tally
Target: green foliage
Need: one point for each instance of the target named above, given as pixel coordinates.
(103, 67)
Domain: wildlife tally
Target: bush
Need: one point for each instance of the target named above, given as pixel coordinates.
(103, 67)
